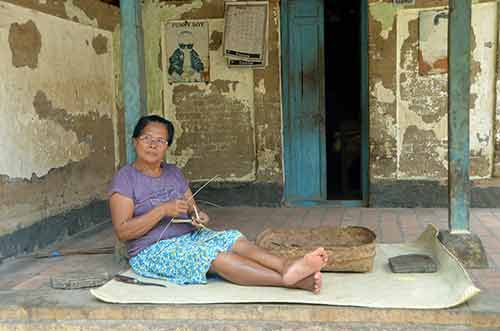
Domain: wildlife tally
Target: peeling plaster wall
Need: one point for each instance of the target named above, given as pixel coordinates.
(496, 166)
(57, 148)
(408, 112)
(89, 12)
(230, 127)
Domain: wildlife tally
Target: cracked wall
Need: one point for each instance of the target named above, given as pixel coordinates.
(57, 130)
(408, 112)
(231, 126)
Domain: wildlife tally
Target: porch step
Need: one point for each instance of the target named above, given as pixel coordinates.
(30, 310)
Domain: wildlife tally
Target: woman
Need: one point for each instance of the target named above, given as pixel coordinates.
(144, 198)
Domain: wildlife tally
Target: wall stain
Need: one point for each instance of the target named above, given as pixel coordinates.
(382, 140)
(52, 7)
(100, 44)
(267, 109)
(160, 57)
(475, 69)
(419, 155)
(121, 134)
(480, 163)
(175, 3)
(385, 14)
(215, 40)
(216, 128)
(209, 9)
(25, 42)
(76, 183)
(107, 16)
(82, 125)
(224, 86)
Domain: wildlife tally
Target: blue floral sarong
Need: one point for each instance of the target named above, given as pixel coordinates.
(184, 259)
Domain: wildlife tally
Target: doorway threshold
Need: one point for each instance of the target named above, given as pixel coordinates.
(325, 203)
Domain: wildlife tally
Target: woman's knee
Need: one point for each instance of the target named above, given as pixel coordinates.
(221, 262)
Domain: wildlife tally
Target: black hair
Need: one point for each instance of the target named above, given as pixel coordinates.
(145, 120)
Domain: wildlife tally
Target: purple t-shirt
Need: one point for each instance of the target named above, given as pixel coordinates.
(147, 192)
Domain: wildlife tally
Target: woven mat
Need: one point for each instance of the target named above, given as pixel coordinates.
(448, 287)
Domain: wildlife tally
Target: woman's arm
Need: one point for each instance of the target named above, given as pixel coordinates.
(128, 227)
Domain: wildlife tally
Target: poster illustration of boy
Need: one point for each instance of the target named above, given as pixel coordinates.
(187, 57)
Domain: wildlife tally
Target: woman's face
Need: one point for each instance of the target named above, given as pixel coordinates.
(151, 145)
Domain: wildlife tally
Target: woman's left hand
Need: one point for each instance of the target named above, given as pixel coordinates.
(202, 220)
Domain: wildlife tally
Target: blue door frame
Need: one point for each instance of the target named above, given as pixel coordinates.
(295, 181)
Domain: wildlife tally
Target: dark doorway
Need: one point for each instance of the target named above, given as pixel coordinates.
(343, 95)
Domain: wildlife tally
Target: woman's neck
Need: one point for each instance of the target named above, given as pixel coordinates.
(150, 169)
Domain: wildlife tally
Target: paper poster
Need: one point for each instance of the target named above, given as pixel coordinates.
(433, 42)
(187, 56)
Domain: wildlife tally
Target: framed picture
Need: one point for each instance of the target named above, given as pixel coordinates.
(186, 51)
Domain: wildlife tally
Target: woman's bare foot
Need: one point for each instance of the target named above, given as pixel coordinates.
(312, 283)
(305, 266)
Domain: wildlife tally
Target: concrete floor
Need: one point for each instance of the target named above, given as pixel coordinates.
(25, 292)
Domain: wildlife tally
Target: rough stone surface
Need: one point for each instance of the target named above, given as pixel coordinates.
(467, 247)
(411, 263)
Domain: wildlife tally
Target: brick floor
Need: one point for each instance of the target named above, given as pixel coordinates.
(391, 225)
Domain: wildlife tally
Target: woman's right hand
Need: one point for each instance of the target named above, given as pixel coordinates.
(176, 207)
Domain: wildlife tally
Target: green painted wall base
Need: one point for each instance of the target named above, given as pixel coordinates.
(55, 228)
(426, 194)
(467, 247)
(230, 194)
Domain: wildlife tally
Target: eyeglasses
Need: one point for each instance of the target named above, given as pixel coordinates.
(146, 138)
(183, 46)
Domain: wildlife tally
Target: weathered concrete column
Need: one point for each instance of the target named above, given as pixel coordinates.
(458, 114)
(134, 82)
(466, 246)
(133, 72)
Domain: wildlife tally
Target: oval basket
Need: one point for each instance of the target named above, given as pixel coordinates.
(349, 248)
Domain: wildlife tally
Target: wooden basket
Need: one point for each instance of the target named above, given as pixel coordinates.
(349, 248)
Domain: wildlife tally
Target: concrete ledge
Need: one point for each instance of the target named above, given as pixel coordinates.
(52, 229)
(222, 326)
(69, 307)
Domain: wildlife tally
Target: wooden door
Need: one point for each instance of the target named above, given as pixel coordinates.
(303, 98)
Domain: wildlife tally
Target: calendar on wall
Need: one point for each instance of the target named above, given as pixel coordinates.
(245, 33)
